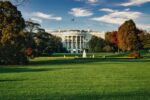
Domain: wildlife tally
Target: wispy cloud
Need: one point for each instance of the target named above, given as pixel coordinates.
(49, 30)
(37, 20)
(134, 2)
(117, 17)
(144, 26)
(46, 16)
(80, 12)
(106, 10)
(91, 2)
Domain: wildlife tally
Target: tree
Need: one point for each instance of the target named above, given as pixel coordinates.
(31, 29)
(96, 44)
(39, 42)
(128, 36)
(57, 45)
(145, 39)
(92, 43)
(32, 26)
(111, 40)
(17, 2)
(111, 37)
(42, 40)
(12, 38)
(46, 44)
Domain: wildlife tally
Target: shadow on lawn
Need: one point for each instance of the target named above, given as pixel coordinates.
(11, 69)
(87, 60)
(11, 80)
(19, 69)
(133, 95)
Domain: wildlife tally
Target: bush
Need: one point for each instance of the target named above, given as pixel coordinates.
(107, 48)
(135, 54)
(12, 56)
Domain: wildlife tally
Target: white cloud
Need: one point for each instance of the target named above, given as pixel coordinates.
(37, 20)
(92, 1)
(134, 2)
(106, 10)
(49, 30)
(117, 17)
(46, 16)
(144, 26)
(80, 12)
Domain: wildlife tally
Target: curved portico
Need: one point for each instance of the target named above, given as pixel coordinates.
(75, 43)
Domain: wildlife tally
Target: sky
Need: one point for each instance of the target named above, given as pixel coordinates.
(97, 15)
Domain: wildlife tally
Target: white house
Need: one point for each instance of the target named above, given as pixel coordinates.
(75, 41)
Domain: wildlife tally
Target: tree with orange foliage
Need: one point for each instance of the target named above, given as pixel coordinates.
(111, 40)
(128, 36)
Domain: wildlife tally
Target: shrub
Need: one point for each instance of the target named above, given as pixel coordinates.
(135, 54)
(107, 48)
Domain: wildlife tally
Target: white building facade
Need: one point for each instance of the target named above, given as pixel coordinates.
(75, 41)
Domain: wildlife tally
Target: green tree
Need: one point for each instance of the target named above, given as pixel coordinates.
(46, 44)
(42, 40)
(12, 39)
(32, 26)
(57, 45)
(128, 36)
(96, 44)
(31, 29)
(145, 39)
(92, 43)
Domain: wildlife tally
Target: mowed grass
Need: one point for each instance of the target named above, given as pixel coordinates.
(48, 78)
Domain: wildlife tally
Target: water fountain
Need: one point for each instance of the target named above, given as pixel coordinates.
(84, 54)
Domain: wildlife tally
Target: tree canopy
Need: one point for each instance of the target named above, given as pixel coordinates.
(128, 36)
(12, 39)
(96, 44)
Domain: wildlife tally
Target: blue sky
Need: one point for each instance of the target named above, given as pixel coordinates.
(98, 15)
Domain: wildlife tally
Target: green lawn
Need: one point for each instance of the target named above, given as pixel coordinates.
(77, 79)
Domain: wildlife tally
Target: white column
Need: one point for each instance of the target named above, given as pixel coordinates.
(84, 42)
(80, 42)
(67, 42)
(76, 44)
(72, 44)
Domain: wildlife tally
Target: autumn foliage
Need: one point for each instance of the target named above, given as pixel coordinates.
(112, 37)
(128, 36)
